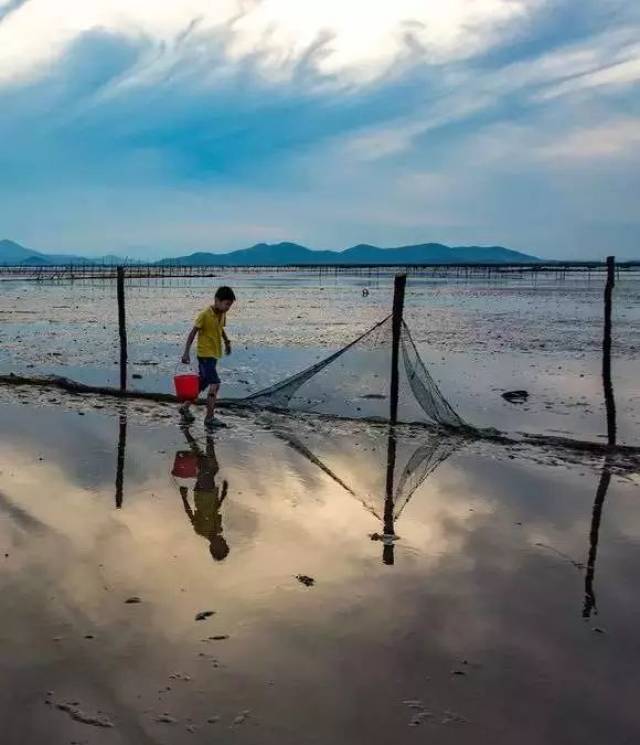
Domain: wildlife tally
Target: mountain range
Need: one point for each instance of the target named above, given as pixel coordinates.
(12, 253)
(282, 254)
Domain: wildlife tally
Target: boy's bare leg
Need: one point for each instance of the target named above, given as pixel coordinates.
(211, 401)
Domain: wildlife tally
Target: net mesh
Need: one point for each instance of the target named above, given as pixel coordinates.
(422, 463)
(354, 383)
(382, 468)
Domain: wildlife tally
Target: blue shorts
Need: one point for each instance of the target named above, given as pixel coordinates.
(207, 372)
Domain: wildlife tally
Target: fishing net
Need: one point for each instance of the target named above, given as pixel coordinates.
(381, 468)
(355, 383)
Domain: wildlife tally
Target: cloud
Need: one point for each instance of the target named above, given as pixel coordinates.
(355, 39)
(608, 62)
(618, 75)
(196, 125)
(616, 138)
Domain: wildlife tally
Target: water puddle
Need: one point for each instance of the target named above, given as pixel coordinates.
(308, 581)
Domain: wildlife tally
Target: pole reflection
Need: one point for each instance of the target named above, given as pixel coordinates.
(590, 605)
(120, 458)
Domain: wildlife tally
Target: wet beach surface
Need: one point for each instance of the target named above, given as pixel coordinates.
(505, 612)
(478, 338)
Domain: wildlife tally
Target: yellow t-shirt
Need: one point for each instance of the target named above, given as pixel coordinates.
(210, 325)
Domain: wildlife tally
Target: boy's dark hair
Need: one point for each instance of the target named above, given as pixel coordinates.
(225, 293)
(218, 548)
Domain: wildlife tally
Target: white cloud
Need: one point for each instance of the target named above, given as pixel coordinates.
(361, 40)
(365, 38)
(614, 76)
(617, 138)
(606, 62)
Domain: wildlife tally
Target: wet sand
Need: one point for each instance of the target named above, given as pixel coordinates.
(505, 612)
(477, 338)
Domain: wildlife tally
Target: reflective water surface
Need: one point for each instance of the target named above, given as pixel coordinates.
(367, 586)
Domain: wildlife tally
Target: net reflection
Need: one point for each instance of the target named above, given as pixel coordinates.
(405, 467)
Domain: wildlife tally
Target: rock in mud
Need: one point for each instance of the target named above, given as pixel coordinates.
(305, 580)
(419, 718)
(516, 397)
(166, 719)
(204, 614)
(133, 599)
(95, 720)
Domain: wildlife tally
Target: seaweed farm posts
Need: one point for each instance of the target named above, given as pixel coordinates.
(399, 286)
(607, 383)
(122, 328)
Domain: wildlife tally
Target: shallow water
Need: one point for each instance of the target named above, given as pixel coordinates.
(506, 610)
(478, 338)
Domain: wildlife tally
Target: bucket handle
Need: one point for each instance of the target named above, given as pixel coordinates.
(181, 366)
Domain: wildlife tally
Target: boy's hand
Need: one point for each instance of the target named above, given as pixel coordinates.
(186, 359)
(227, 347)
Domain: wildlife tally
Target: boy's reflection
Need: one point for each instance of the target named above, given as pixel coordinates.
(207, 498)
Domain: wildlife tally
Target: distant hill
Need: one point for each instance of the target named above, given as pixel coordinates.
(12, 253)
(282, 254)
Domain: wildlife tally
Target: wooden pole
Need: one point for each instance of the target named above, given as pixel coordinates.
(122, 328)
(609, 399)
(399, 285)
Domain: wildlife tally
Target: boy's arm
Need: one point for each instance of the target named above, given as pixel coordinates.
(186, 359)
(227, 343)
(184, 493)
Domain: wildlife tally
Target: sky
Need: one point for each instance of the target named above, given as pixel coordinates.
(152, 129)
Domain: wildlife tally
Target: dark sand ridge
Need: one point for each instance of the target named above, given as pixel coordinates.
(628, 456)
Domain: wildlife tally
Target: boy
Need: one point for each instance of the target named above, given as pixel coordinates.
(209, 328)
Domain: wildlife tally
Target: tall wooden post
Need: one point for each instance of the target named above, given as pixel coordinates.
(399, 285)
(122, 328)
(609, 399)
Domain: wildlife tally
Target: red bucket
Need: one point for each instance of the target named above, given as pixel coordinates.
(187, 386)
(185, 465)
